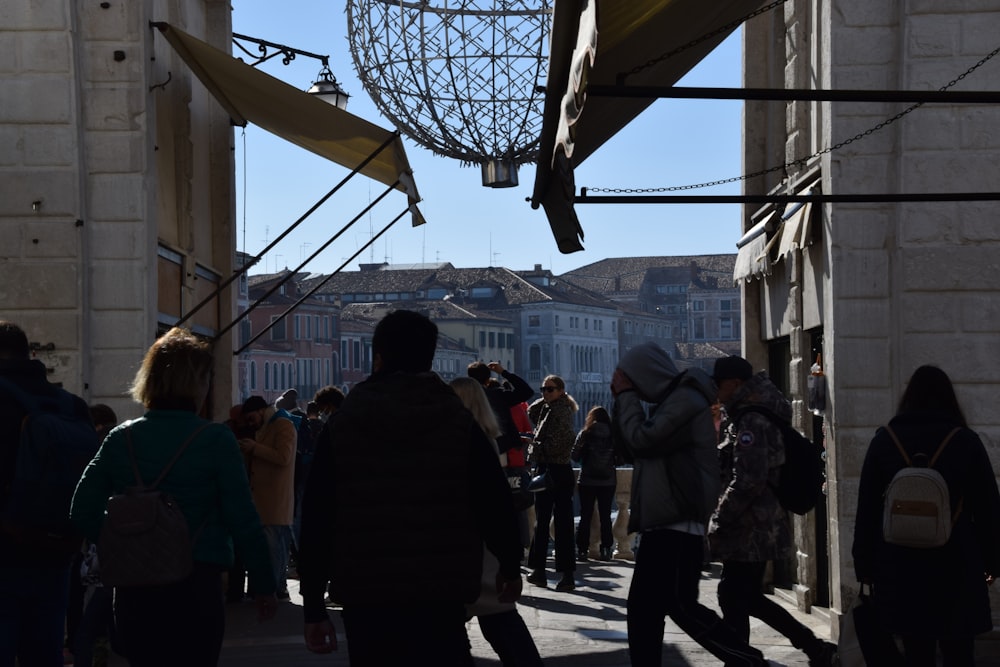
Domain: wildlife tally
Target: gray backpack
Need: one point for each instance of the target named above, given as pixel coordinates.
(917, 510)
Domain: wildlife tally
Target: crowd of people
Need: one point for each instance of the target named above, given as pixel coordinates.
(429, 477)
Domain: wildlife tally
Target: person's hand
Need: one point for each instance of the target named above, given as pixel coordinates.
(508, 590)
(495, 367)
(321, 637)
(620, 382)
(267, 606)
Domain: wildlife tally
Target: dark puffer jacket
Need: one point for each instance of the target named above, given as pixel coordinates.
(403, 493)
(676, 470)
(595, 450)
(750, 525)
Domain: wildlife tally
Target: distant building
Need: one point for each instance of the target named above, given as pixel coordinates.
(299, 349)
(673, 301)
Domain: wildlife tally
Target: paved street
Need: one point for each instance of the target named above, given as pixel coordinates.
(581, 628)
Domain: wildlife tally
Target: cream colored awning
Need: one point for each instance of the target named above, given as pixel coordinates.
(250, 95)
(593, 41)
(753, 254)
(795, 231)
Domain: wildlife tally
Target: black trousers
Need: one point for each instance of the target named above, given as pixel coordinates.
(178, 624)
(394, 636)
(557, 502)
(741, 596)
(665, 583)
(604, 496)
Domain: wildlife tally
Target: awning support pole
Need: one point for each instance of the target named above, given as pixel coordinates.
(246, 267)
(324, 281)
(798, 94)
(308, 259)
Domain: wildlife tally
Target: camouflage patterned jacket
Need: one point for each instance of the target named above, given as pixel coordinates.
(749, 525)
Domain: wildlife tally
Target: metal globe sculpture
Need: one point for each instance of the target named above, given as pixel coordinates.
(462, 78)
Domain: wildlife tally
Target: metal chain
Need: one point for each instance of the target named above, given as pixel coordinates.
(800, 162)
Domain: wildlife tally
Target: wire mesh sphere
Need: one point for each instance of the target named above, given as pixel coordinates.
(462, 78)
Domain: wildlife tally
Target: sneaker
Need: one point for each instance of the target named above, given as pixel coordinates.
(537, 578)
(566, 583)
(824, 656)
(581, 555)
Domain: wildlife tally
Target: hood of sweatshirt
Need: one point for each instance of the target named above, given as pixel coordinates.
(650, 369)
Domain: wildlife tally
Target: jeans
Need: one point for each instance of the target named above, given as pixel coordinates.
(604, 496)
(398, 636)
(176, 624)
(558, 501)
(510, 639)
(279, 540)
(665, 583)
(740, 597)
(32, 615)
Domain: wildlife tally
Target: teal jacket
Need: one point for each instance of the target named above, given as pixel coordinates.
(209, 482)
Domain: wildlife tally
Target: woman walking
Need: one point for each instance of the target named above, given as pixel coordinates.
(180, 623)
(552, 415)
(932, 597)
(500, 622)
(595, 451)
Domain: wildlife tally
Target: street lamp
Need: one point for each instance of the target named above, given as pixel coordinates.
(325, 88)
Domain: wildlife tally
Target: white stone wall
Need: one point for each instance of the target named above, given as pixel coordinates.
(79, 136)
(903, 284)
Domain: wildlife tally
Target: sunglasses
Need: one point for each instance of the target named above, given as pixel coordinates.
(548, 389)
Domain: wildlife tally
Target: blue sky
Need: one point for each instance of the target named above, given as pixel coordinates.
(675, 142)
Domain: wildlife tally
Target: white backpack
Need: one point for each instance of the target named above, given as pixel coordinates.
(917, 511)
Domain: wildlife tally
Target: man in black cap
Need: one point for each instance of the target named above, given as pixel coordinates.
(750, 527)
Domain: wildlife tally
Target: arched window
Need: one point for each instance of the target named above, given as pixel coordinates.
(283, 383)
(253, 375)
(267, 376)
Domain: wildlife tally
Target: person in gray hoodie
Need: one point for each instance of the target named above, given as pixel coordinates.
(675, 488)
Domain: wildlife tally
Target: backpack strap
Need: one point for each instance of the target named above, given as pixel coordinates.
(899, 445)
(906, 457)
(170, 464)
(947, 439)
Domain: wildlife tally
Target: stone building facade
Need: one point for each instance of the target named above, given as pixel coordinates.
(877, 288)
(116, 192)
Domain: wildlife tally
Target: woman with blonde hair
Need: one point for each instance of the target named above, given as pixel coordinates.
(552, 415)
(209, 483)
(500, 622)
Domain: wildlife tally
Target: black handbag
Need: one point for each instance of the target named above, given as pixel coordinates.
(863, 640)
(542, 482)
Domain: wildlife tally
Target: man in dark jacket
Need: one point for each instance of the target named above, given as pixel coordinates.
(34, 569)
(750, 527)
(404, 491)
(675, 486)
(502, 399)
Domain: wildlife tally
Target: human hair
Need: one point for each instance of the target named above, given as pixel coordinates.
(175, 373)
(405, 341)
(102, 415)
(930, 390)
(596, 415)
(561, 385)
(479, 371)
(13, 341)
(328, 397)
(473, 397)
